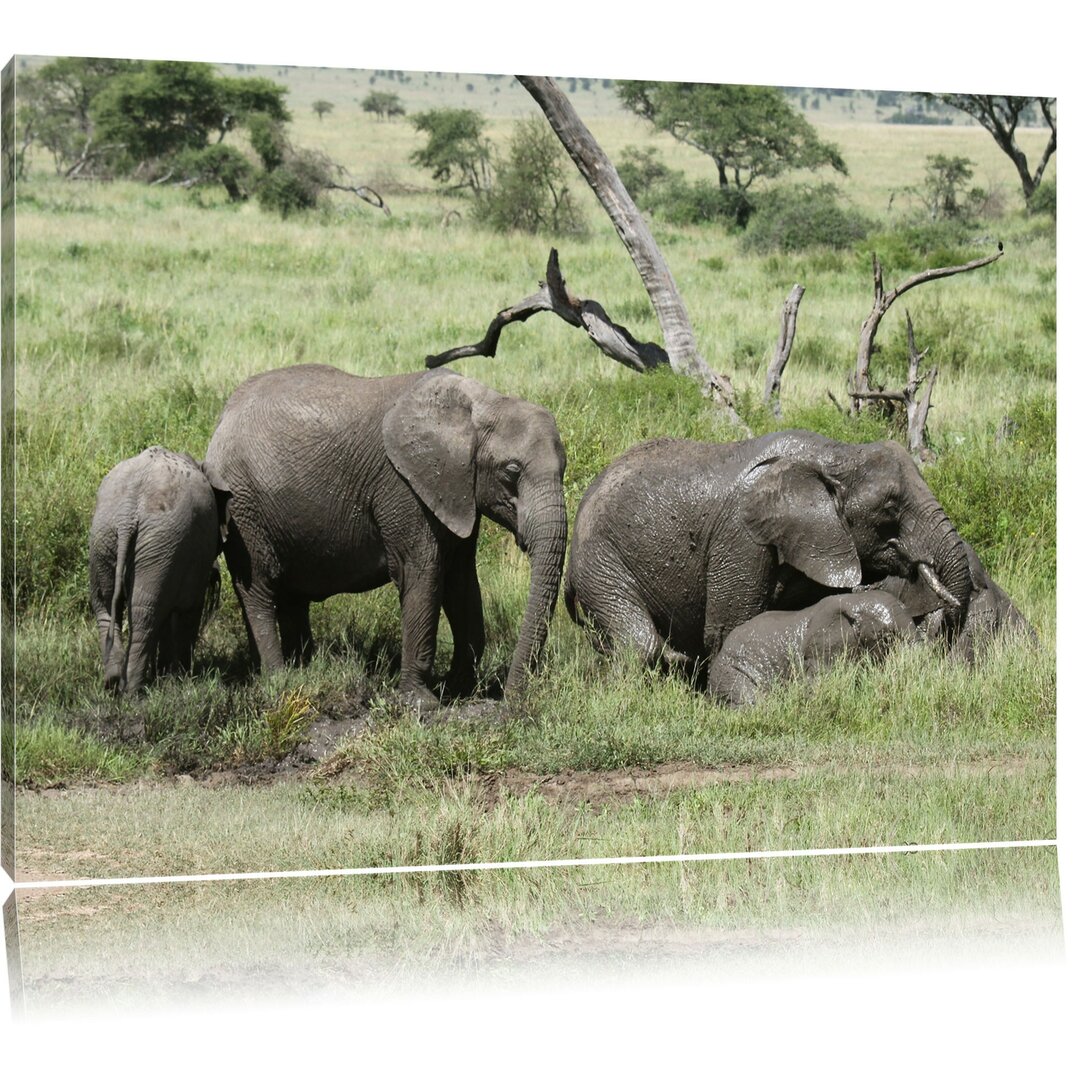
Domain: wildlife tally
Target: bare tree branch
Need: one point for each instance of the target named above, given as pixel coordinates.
(883, 301)
(788, 316)
(369, 195)
(917, 410)
(612, 339)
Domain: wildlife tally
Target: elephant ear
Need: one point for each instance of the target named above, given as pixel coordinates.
(430, 438)
(790, 506)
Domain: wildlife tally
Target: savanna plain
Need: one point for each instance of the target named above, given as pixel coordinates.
(139, 309)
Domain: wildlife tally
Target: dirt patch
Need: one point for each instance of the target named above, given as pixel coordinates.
(625, 785)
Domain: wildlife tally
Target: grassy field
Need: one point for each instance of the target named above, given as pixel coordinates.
(141, 308)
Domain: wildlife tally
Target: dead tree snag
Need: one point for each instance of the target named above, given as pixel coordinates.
(861, 390)
(680, 346)
(775, 371)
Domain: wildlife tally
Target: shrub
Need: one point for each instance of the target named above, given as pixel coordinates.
(792, 219)
(296, 184)
(220, 164)
(531, 191)
(1044, 199)
(918, 245)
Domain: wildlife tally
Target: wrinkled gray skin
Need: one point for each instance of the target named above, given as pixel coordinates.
(336, 483)
(779, 645)
(676, 543)
(154, 539)
(991, 612)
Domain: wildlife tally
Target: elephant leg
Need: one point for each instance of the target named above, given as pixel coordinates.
(294, 624)
(113, 653)
(464, 609)
(257, 603)
(184, 632)
(628, 623)
(142, 651)
(261, 619)
(420, 589)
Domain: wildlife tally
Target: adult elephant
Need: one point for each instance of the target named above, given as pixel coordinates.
(677, 542)
(336, 483)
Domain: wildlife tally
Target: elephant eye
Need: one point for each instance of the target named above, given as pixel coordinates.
(512, 470)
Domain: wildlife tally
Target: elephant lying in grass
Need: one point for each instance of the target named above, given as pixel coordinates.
(336, 483)
(780, 645)
(677, 542)
(154, 541)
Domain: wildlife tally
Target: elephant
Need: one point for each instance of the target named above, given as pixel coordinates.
(779, 645)
(154, 542)
(678, 542)
(334, 483)
(991, 612)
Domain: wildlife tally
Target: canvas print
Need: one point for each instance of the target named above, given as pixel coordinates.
(426, 469)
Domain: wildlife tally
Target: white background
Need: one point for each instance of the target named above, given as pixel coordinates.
(1004, 1020)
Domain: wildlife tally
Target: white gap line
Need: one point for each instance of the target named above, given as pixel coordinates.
(528, 864)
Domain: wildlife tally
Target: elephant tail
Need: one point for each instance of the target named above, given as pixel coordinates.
(212, 598)
(570, 598)
(122, 582)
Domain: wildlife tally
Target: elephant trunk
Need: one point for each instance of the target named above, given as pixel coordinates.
(542, 534)
(938, 557)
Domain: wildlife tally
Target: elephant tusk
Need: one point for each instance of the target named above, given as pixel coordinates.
(934, 582)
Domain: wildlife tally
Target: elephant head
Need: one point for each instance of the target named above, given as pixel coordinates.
(900, 529)
(848, 514)
(466, 450)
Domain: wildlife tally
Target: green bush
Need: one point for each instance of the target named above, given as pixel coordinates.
(531, 192)
(667, 193)
(294, 185)
(919, 245)
(1044, 199)
(796, 218)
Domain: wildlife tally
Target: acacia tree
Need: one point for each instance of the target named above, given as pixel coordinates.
(748, 131)
(457, 152)
(173, 106)
(54, 104)
(1001, 116)
(383, 104)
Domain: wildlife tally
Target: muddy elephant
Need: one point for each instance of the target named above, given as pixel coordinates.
(154, 541)
(336, 483)
(779, 645)
(991, 612)
(678, 542)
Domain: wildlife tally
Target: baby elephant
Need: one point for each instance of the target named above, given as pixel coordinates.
(778, 645)
(154, 540)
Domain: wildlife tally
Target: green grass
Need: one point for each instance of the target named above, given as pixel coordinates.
(139, 311)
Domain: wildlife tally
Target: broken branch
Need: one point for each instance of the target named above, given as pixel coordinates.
(610, 338)
(788, 316)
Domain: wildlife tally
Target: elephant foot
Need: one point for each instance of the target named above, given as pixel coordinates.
(460, 686)
(419, 700)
